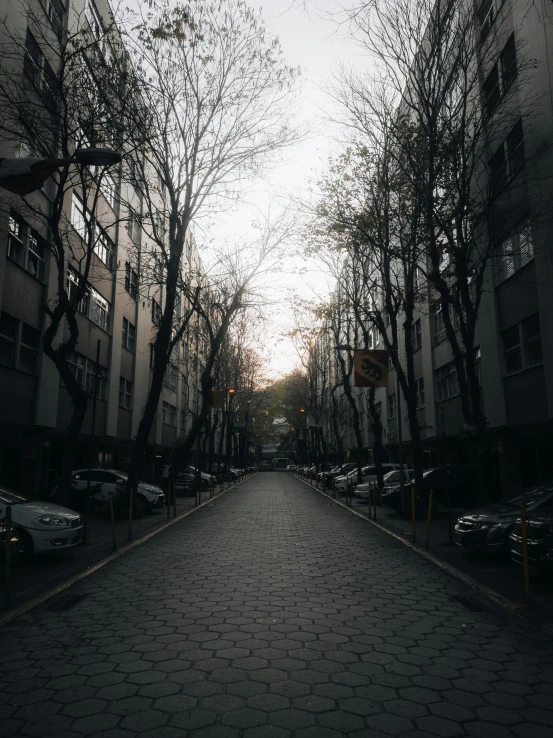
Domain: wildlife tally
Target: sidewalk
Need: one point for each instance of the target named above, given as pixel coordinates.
(499, 574)
(52, 569)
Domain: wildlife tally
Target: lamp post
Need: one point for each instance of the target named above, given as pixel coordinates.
(23, 176)
(231, 393)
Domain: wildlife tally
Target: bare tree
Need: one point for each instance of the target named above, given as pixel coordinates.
(218, 95)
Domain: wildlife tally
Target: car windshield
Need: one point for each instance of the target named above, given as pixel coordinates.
(10, 498)
(529, 496)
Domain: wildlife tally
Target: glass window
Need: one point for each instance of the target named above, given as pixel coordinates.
(171, 377)
(392, 406)
(125, 393)
(498, 169)
(131, 280)
(28, 350)
(104, 248)
(129, 335)
(8, 339)
(16, 238)
(512, 350)
(55, 11)
(169, 414)
(515, 146)
(35, 255)
(492, 90)
(446, 382)
(109, 189)
(508, 61)
(156, 312)
(33, 59)
(438, 321)
(416, 335)
(532, 341)
(78, 220)
(100, 310)
(514, 252)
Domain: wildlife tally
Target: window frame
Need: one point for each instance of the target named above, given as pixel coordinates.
(128, 335)
(20, 345)
(131, 280)
(447, 384)
(419, 392)
(392, 406)
(125, 393)
(26, 239)
(168, 411)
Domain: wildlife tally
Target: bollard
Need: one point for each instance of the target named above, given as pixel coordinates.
(174, 499)
(168, 497)
(334, 487)
(374, 500)
(8, 558)
(112, 519)
(525, 555)
(413, 519)
(131, 495)
(324, 482)
(370, 498)
(428, 519)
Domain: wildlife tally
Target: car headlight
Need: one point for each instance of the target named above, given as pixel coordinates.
(53, 521)
(481, 526)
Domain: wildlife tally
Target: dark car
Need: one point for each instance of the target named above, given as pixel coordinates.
(488, 528)
(451, 487)
(539, 536)
(16, 547)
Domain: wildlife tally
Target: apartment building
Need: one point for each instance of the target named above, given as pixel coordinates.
(118, 315)
(515, 331)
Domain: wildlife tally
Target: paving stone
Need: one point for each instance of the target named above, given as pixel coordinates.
(270, 632)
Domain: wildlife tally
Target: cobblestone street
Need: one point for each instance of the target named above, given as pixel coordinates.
(273, 612)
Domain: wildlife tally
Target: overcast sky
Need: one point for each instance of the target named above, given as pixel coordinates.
(311, 40)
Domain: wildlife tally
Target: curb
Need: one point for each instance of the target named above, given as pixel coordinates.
(39, 599)
(490, 594)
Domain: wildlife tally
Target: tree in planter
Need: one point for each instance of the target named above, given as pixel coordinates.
(58, 95)
(462, 84)
(219, 105)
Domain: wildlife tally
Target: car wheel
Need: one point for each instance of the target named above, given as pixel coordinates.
(26, 546)
(148, 506)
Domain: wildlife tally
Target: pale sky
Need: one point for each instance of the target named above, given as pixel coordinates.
(311, 40)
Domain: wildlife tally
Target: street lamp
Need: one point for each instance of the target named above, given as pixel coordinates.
(23, 176)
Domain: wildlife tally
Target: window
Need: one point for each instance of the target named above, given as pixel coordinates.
(38, 70)
(94, 19)
(131, 280)
(78, 217)
(19, 344)
(125, 393)
(514, 252)
(169, 414)
(438, 322)
(392, 406)
(508, 159)
(104, 248)
(486, 15)
(171, 377)
(129, 335)
(417, 278)
(156, 312)
(416, 335)
(134, 229)
(55, 10)
(93, 304)
(501, 76)
(108, 189)
(84, 370)
(446, 382)
(152, 355)
(477, 363)
(419, 389)
(25, 246)
(183, 421)
(522, 345)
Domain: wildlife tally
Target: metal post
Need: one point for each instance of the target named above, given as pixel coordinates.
(413, 519)
(174, 498)
(428, 519)
(525, 555)
(370, 497)
(375, 489)
(8, 557)
(112, 519)
(131, 497)
(399, 435)
(91, 447)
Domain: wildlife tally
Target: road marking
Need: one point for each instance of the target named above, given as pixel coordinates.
(39, 599)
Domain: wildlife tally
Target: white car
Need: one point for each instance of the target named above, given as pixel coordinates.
(41, 526)
(110, 481)
(391, 478)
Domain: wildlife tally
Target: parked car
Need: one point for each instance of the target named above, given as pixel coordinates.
(291, 467)
(16, 544)
(109, 482)
(188, 474)
(390, 481)
(488, 528)
(539, 533)
(451, 486)
(41, 526)
(338, 471)
(368, 474)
